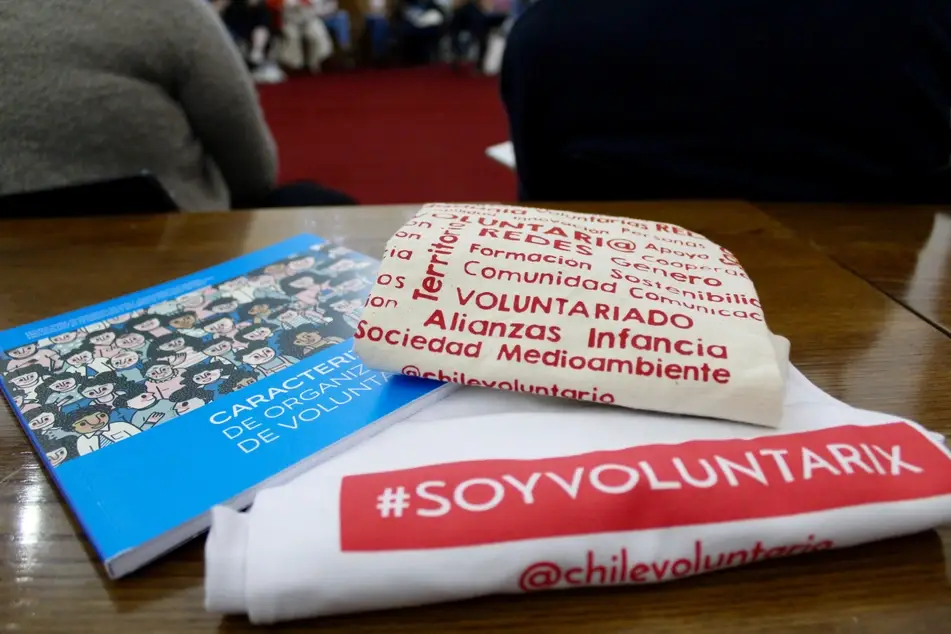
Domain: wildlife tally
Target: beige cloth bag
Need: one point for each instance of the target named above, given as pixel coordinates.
(634, 313)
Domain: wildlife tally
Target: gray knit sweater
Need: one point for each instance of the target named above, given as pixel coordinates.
(94, 89)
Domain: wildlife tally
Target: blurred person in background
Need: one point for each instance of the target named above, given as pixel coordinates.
(121, 87)
(472, 22)
(376, 15)
(421, 25)
(305, 40)
(815, 100)
(249, 21)
(337, 21)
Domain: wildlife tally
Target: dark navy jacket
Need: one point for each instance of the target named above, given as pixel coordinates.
(804, 100)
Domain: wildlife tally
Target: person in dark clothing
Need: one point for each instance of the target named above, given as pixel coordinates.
(303, 194)
(419, 25)
(477, 18)
(181, 114)
(813, 100)
(250, 22)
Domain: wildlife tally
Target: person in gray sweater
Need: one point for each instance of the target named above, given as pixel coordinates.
(99, 89)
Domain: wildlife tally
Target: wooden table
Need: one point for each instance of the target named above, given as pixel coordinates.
(904, 252)
(850, 339)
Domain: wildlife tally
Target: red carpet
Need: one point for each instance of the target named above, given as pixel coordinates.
(392, 136)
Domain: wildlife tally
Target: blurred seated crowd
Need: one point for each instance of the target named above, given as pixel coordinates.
(688, 100)
(277, 36)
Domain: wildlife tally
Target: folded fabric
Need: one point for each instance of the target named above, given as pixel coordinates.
(541, 494)
(609, 310)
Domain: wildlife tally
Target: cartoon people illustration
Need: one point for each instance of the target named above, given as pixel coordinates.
(31, 353)
(148, 409)
(278, 270)
(134, 341)
(148, 324)
(300, 264)
(93, 328)
(238, 289)
(190, 399)
(304, 341)
(57, 451)
(185, 322)
(163, 309)
(346, 283)
(350, 310)
(178, 350)
(224, 306)
(104, 388)
(305, 287)
(66, 342)
(162, 379)
(195, 302)
(346, 264)
(65, 338)
(24, 404)
(338, 252)
(220, 326)
(208, 376)
(220, 350)
(251, 334)
(83, 361)
(119, 320)
(238, 379)
(338, 267)
(128, 365)
(105, 344)
(265, 360)
(262, 310)
(264, 285)
(42, 419)
(83, 390)
(292, 317)
(60, 390)
(26, 379)
(95, 429)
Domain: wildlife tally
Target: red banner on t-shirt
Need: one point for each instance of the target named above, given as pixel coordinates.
(644, 487)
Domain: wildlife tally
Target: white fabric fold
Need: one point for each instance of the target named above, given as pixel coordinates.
(224, 572)
(334, 542)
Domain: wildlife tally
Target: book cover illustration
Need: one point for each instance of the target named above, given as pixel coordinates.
(150, 408)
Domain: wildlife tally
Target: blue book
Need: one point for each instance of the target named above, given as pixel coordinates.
(149, 409)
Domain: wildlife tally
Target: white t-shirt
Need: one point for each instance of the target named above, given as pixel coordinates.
(537, 493)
